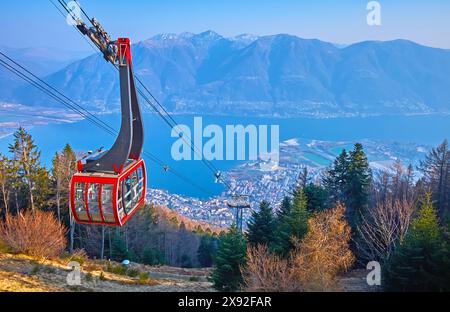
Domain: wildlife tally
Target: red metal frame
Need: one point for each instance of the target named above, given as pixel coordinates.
(124, 49)
(102, 180)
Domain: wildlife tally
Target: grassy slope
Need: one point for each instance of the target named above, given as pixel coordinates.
(20, 273)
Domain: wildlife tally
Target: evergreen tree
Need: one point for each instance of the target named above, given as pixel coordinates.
(119, 250)
(348, 181)
(317, 197)
(261, 226)
(152, 256)
(335, 178)
(421, 262)
(303, 177)
(26, 157)
(186, 261)
(298, 218)
(5, 182)
(291, 226)
(229, 260)
(64, 166)
(358, 181)
(42, 188)
(207, 251)
(17, 185)
(285, 208)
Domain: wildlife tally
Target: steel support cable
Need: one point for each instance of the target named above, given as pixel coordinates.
(171, 122)
(79, 107)
(46, 91)
(174, 124)
(168, 121)
(84, 13)
(152, 157)
(65, 16)
(152, 105)
(99, 123)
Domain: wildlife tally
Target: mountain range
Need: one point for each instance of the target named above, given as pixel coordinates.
(278, 75)
(41, 61)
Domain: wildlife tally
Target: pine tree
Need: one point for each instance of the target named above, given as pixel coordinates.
(303, 177)
(317, 197)
(17, 186)
(42, 188)
(292, 226)
(5, 181)
(282, 229)
(152, 256)
(229, 260)
(356, 189)
(298, 218)
(207, 251)
(261, 226)
(335, 178)
(119, 250)
(26, 158)
(420, 263)
(64, 166)
(285, 208)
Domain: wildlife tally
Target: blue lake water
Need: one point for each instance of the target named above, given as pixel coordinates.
(84, 136)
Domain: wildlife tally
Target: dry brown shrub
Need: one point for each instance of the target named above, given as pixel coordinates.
(324, 253)
(384, 227)
(37, 234)
(266, 272)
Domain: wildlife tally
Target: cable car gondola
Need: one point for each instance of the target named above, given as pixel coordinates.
(111, 185)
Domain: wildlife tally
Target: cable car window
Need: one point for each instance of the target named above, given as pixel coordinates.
(79, 202)
(120, 209)
(93, 201)
(107, 202)
(140, 173)
(135, 189)
(140, 188)
(127, 195)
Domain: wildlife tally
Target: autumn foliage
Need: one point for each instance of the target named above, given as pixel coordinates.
(324, 253)
(314, 264)
(38, 234)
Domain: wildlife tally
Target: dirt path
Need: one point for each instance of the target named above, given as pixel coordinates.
(355, 281)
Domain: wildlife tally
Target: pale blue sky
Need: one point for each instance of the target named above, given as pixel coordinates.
(27, 23)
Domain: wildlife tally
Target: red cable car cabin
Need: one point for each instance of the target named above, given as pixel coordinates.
(108, 199)
(111, 185)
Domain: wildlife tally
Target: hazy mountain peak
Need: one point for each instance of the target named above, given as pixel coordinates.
(165, 36)
(187, 35)
(277, 74)
(245, 38)
(205, 37)
(209, 34)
